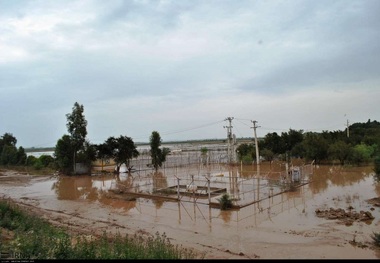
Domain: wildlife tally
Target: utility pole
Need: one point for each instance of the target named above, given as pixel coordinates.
(229, 138)
(348, 132)
(256, 145)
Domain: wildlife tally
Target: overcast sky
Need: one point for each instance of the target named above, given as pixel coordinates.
(182, 67)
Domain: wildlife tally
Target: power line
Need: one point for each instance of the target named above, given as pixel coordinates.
(193, 128)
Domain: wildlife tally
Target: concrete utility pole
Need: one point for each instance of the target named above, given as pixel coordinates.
(256, 144)
(348, 132)
(229, 139)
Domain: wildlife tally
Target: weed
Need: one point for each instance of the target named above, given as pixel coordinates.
(225, 201)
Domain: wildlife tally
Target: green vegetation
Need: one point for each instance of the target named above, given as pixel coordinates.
(358, 144)
(204, 155)
(44, 161)
(225, 202)
(9, 154)
(246, 153)
(158, 155)
(35, 238)
(361, 146)
(121, 149)
(74, 148)
(77, 127)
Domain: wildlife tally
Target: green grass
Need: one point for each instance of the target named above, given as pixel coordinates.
(35, 238)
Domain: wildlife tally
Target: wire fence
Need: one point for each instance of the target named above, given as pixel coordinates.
(191, 177)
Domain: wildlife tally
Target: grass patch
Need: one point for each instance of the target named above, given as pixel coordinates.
(35, 238)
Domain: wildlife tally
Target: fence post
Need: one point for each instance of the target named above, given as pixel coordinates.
(208, 189)
(178, 187)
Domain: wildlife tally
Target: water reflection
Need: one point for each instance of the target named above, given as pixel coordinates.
(160, 181)
(225, 215)
(72, 188)
(331, 186)
(339, 176)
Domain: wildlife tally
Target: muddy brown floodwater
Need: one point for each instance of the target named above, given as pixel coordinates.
(282, 226)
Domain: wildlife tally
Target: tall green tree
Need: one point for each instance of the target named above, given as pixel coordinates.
(77, 127)
(158, 155)
(63, 153)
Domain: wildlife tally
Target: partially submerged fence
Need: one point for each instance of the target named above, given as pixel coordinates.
(206, 183)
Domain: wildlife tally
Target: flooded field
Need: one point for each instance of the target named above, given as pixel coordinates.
(267, 223)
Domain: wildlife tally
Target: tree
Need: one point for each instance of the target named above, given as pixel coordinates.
(31, 160)
(103, 152)
(268, 155)
(121, 149)
(7, 139)
(339, 150)
(273, 142)
(125, 151)
(315, 147)
(362, 153)
(21, 156)
(292, 138)
(158, 155)
(63, 154)
(9, 154)
(88, 154)
(77, 127)
(246, 153)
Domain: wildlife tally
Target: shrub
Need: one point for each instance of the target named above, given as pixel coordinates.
(225, 201)
(38, 165)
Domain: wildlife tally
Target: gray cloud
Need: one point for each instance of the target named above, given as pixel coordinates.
(139, 66)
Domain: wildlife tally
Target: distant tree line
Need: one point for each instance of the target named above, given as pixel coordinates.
(360, 146)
